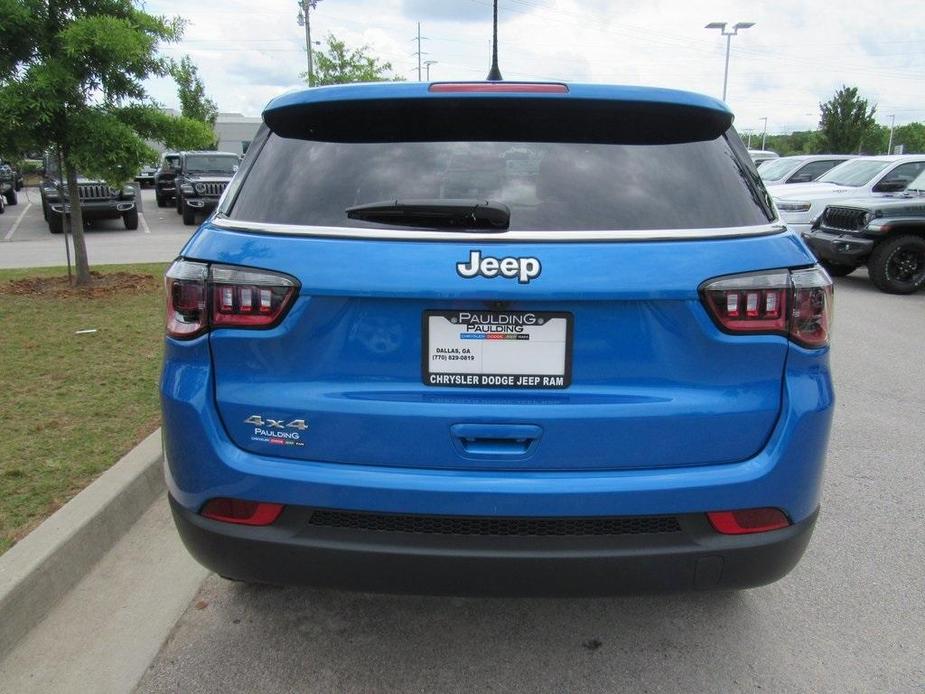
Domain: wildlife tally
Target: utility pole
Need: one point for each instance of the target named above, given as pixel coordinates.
(419, 52)
(764, 134)
(427, 64)
(889, 147)
(304, 19)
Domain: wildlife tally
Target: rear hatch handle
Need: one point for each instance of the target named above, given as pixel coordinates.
(495, 440)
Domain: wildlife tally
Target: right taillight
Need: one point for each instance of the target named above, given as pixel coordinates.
(202, 296)
(795, 303)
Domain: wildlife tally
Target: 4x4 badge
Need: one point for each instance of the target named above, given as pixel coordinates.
(524, 269)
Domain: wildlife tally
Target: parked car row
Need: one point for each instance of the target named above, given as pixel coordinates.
(865, 211)
(886, 233)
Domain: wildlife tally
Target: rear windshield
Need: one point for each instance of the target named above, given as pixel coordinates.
(547, 185)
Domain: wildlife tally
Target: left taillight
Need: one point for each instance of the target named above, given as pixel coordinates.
(187, 299)
(202, 296)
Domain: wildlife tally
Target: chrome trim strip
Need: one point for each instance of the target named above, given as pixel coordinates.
(223, 222)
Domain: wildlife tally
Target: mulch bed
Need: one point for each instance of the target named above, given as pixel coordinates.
(102, 285)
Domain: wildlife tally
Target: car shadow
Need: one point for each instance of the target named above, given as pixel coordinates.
(373, 642)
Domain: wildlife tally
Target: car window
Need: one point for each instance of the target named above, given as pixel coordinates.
(814, 169)
(854, 173)
(918, 183)
(903, 174)
(547, 185)
(777, 168)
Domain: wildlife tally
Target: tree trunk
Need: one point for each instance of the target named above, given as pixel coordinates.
(77, 228)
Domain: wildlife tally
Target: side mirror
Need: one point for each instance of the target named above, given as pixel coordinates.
(890, 187)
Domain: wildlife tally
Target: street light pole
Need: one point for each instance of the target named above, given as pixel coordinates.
(427, 64)
(728, 34)
(889, 147)
(764, 134)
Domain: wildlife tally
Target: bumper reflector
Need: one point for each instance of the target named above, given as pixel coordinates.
(753, 520)
(242, 512)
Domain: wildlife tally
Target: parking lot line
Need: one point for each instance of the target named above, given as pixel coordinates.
(16, 224)
(144, 223)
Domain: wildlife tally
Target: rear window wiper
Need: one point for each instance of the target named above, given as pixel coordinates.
(462, 213)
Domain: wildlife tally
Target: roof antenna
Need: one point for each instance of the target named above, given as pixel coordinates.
(494, 74)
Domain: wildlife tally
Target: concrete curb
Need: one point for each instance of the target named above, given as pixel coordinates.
(37, 572)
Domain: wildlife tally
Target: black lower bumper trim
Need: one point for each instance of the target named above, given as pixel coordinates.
(843, 249)
(295, 552)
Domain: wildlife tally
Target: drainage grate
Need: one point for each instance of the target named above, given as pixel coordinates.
(465, 525)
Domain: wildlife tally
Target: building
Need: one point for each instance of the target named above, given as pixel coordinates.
(235, 131)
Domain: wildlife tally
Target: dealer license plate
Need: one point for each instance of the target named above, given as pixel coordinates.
(497, 349)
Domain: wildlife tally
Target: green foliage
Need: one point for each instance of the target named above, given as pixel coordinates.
(338, 64)
(912, 136)
(176, 133)
(194, 103)
(847, 122)
(799, 142)
(67, 80)
(69, 70)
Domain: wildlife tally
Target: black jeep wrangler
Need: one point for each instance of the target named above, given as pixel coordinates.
(201, 179)
(98, 200)
(164, 187)
(886, 234)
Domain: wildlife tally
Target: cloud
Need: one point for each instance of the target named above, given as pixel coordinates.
(454, 11)
(797, 54)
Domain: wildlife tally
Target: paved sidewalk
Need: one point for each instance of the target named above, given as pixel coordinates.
(102, 636)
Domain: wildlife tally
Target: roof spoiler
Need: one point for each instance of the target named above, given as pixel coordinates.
(501, 118)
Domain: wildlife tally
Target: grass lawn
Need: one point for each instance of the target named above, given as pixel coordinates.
(73, 404)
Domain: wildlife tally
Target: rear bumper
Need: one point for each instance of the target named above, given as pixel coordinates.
(293, 551)
(845, 249)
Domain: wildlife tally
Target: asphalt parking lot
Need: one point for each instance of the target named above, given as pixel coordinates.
(26, 242)
(850, 618)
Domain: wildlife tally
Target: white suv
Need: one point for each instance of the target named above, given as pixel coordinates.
(800, 203)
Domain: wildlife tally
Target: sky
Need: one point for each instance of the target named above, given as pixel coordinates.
(797, 54)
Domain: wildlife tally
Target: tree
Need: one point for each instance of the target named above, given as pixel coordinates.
(847, 120)
(71, 82)
(338, 64)
(193, 100)
(912, 136)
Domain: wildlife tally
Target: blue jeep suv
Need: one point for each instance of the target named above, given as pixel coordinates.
(496, 338)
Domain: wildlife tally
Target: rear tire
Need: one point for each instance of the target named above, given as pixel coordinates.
(179, 205)
(897, 265)
(130, 219)
(55, 222)
(2, 205)
(11, 198)
(189, 215)
(161, 201)
(838, 270)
